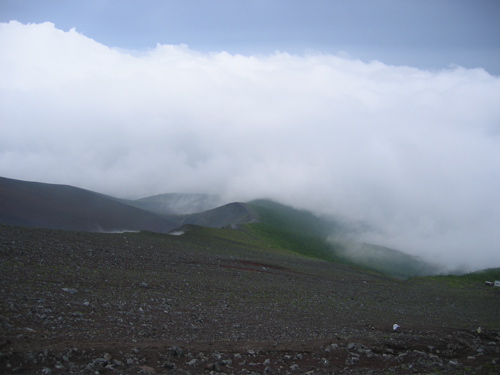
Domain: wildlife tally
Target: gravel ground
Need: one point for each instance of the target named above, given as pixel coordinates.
(89, 303)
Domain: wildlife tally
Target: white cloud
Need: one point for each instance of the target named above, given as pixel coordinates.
(414, 153)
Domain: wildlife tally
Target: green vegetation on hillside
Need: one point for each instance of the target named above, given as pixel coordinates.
(302, 232)
(298, 231)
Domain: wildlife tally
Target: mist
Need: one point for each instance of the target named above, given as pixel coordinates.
(411, 153)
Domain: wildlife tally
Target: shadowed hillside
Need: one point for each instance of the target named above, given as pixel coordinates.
(65, 207)
(42, 205)
(231, 214)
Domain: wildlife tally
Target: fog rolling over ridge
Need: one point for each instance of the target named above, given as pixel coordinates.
(180, 204)
(412, 154)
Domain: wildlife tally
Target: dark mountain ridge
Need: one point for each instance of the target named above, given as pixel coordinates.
(66, 207)
(282, 227)
(53, 206)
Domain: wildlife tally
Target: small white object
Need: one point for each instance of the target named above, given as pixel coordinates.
(395, 327)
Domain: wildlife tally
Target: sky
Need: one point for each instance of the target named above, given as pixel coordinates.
(380, 112)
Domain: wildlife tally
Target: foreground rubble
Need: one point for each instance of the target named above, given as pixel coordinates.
(87, 303)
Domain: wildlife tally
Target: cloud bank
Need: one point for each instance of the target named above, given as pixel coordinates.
(413, 153)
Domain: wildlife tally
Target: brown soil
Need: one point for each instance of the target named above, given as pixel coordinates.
(130, 303)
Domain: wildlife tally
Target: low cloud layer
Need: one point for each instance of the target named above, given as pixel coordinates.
(413, 153)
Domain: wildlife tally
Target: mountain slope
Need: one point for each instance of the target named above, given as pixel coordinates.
(65, 207)
(312, 236)
(216, 295)
(281, 227)
(231, 214)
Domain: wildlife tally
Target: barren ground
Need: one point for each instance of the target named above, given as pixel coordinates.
(150, 303)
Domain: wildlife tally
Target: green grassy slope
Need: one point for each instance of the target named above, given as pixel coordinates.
(297, 231)
(302, 232)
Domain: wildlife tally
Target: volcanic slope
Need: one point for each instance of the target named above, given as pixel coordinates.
(227, 301)
(66, 207)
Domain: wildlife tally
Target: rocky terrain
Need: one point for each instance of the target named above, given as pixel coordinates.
(209, 302)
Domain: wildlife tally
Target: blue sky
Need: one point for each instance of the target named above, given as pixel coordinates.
(381, 112)
(420, 33)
